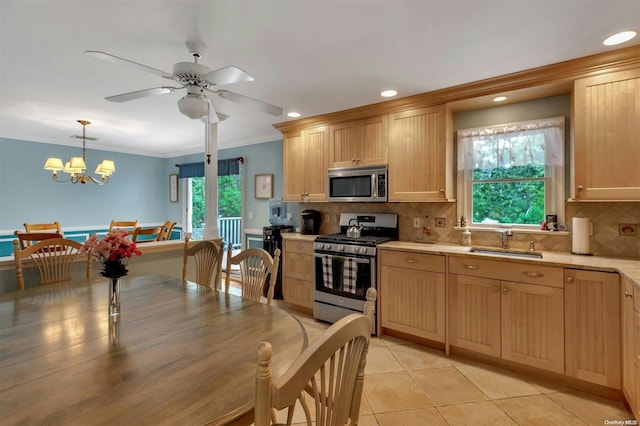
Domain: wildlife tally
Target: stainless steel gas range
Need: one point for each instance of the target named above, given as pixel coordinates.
(344, 267)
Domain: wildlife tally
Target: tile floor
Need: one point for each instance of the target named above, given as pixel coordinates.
(409, 384)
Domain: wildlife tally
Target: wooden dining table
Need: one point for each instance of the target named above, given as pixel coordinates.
(179, 353)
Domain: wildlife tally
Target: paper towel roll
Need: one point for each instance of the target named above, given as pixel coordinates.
(580, 236)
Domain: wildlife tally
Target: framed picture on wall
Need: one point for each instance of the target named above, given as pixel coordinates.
(264, 186)
(173, 188)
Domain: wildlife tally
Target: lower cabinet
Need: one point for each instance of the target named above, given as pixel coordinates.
(517, 321)
(631, 344)
(297, 270)
(412, 293)
(592, 326)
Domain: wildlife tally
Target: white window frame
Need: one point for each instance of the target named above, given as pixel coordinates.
(554, 190)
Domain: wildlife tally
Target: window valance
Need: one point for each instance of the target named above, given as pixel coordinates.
(225, 168)
(538, 142)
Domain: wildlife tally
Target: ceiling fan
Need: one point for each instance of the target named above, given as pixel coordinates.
(196, 79)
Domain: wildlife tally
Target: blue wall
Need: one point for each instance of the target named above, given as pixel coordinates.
(139, 189)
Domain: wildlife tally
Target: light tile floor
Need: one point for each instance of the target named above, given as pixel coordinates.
(409, 384)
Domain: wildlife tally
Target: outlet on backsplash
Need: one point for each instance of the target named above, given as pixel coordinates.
(417, 222)
(628, 229)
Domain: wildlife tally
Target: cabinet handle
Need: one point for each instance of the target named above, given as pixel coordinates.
(410, 260)
(353, 160)
(628, 294)
(534, 274)
(495, 288)
(442, 190)
(471, 267)
(569, 280)
(580, 188)
(357, 159)
(505, 290)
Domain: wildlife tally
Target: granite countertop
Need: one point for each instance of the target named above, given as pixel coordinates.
(626, 266)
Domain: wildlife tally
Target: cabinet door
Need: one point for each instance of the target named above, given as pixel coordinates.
(344, 144)
(316, 157)
(606, 129)
(417, 155)
(531, 331)
(628, 341)
(298, 292)
(592, 326)
(374, 141)
(293, 167)
(298, 265)
(635, 404)
(359, 143)
(413, 301)
(474, 313)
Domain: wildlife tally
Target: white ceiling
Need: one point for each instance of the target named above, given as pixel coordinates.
(309, 56)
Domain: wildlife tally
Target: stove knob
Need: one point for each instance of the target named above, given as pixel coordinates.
(327, 246)
(341, 248)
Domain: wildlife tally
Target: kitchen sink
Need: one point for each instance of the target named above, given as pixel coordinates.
(507, 252)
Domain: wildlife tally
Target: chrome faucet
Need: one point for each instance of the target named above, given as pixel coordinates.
(506, 234)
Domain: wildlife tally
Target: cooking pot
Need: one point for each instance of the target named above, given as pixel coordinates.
(354, 231)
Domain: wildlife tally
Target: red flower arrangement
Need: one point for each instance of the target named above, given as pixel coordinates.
(113, 252)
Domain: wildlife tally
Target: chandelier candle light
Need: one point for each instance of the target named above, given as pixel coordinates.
(76, 166)
(113, 252)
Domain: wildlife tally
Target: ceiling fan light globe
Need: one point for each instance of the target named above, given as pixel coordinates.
(193, 106)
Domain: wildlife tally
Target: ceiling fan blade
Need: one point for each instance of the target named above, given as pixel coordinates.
(124, 97)
(109, 57)
(227, 75)
(245, 100)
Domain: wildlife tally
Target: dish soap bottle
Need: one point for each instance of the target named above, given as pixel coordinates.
(466, 237)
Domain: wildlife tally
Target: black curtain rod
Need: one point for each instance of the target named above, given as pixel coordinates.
(240, 159)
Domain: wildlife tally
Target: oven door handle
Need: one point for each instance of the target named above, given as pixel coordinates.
(357, 259)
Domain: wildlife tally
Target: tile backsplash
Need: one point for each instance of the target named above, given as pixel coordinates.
(606, 216)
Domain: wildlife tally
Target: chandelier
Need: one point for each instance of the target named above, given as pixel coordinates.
(76, 166)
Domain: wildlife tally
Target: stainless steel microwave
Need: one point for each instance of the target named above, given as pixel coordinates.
(365, 184)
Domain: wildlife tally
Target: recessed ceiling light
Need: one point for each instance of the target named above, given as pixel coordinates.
(293, 114)
(499, 98)
(388, 93)
(619, 38)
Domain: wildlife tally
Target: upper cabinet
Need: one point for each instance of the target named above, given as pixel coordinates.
(606, 150)
(418, 155)
(305, 163)
(359, 143)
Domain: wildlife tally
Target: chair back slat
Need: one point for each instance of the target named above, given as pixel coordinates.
(35, 227)
(53, 258)
(207, 256)
(28, 238)
(145, 235)
(165, 230)
(128, 225)
(257, 270)
(329, 373)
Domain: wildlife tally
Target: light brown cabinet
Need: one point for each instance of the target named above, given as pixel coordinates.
(297, 269)
(418, 155)
(606, 137)
(412, 293)
(517, 321)
(630, 345)
(592, 326)
(305, 163)
(359, 143)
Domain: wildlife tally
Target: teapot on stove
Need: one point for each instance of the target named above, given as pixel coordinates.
(355, 230)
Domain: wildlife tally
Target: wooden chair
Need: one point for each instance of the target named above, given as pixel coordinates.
(370, 307)
(165, 230)
(145, 235)
(46, 227)
(208, 259)
(28, 238)
(255, 265)
(330, 372)
(53, 257)
(129, 225)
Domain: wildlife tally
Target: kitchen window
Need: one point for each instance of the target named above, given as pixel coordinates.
(512, 174)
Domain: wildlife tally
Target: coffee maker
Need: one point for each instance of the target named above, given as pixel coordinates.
(310, 222)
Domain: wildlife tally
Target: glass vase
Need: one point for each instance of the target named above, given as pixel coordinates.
(114, 297)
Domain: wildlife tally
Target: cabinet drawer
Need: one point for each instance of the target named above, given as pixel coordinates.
(409, 260)
(298, 292)
(521, 272)
(298, 246)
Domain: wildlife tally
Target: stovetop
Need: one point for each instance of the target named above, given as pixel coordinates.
(368, 240)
